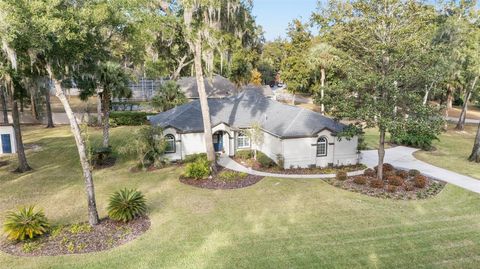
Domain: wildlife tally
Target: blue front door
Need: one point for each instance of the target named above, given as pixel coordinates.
(6, 143)
(218, 142)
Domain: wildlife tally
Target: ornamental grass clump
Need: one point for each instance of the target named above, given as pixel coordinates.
(369, 172)
(420, 181)
(395, 180)
(376, 183)
(126, 205)
(360, 180)
(342, 175)
(25, 223)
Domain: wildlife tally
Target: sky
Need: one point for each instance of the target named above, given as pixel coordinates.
(274, 15)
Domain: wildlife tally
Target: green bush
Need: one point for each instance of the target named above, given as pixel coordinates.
(342, 175)
(264, 160)
(458, 101)
(280, 161)
(360, 180)
(199, 169)
(244, 154)
(26, 223)
(229, 176)
(128, 118)
(418, 134)
(126, 205)
(195, 157)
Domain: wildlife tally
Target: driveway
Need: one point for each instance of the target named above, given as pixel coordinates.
(402, 157)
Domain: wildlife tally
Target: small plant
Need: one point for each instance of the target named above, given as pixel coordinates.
(386, 167)
(409, 187)
(413, 173)
(264, 160)
(342, 175)
(391, 188)
(229, 176)
(376, 183)
(403, 174)
(29, 247)
(280, 161)
(360, 180)
(70, 247)
(388, 174)
(244, 154)
(26, 223)
(395, 181)
(199, 169)
(80, 228)
(420, 181)
(369, 172)
(126, 205)
(195, 157)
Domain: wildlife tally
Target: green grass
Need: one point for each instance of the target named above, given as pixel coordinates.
(371, 138)
(452, 151)
(277, 223)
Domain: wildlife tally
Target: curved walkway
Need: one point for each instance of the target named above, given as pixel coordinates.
(401, 157)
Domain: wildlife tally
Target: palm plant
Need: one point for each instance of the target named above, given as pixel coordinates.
(25, 223)
(168, 96)
(126, 205)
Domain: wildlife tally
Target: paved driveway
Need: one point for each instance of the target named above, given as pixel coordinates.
(402, 157)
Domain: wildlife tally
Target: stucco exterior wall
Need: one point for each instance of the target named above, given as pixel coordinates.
(271, 146)
(8, 130)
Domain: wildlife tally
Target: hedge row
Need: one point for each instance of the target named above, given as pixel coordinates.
(128, 118)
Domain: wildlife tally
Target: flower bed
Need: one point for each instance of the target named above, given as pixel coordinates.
(396, 184)
(79, 238)
(224, 179)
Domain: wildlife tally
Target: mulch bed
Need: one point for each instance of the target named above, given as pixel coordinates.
(432, 188)
(219, 184)
(80, 238)
(299, 171)
(107, 163)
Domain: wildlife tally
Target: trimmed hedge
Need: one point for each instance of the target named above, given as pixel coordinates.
(128, 118)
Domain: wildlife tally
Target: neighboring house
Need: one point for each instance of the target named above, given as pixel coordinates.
(301, 137)
(215, 87)
(7, 139)
(266, 90)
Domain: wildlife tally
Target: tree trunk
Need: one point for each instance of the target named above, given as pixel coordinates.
(99, 109)
(203, 99)
(475, 156)
(449, 98)
(48, 106)
(22, 158)
(106, 117)
(3, 100)
(293, 98)
(381, 154)
(461, 120)
(322, 90)
(87, 173)
(33, 107)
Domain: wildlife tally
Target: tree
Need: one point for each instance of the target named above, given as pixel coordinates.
(380, 44)
(256, 136)
(256, 77)
(168, 96)
(475, 155)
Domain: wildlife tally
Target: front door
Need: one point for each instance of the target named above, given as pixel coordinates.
(218, 141)
(6, 143)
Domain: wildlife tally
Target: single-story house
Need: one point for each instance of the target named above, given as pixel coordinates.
(215, 87)
(7, 139)
(301, 137)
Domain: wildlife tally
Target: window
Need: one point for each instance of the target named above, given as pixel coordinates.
(243, 141)
(170, 139)
(322, 147)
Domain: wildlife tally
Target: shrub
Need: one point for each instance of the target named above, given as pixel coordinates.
(264, 160)
(413, 173)
(391, 188)
(195, 157)
(416, 134)
(369, 173)
(198, 170)
(386, 167)
(342, 175)
(280, 161)
(376, 183)
(360, 180)
(126, 205)
(229, 176)
(128, 118)
(403, 174)
(388, 174)
(26, 222)
(244, 154)
(148, 145)
(395, 180)
(409, 187)
(458, 101)
(420, 181)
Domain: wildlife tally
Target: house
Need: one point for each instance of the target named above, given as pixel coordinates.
(301, 137)
(7, 139)
(215, 87)
(266, 90)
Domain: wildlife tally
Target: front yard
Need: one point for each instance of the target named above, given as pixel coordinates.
(278, 223)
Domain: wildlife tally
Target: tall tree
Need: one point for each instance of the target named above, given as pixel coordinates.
(380, 42)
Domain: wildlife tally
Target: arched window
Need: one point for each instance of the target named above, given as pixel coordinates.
(322, 144)
(170, 139)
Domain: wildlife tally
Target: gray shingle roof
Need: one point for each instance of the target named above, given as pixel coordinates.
(216, 87)
(242, 110)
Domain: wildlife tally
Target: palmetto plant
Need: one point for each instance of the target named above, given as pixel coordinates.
(25, 223)
(126, 205)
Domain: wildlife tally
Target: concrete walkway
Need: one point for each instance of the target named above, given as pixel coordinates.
(467, 121)
(400, 157)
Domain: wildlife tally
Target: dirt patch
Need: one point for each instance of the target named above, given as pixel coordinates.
(79, 238)
(217, 183)
(405, 191)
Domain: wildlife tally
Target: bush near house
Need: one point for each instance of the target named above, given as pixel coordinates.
(244, 154)
(25, 223)
(199, 169)
(128, 118)
(264, 160)
(195, 157)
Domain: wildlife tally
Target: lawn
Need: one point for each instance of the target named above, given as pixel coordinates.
(277, 223)
(452, 151)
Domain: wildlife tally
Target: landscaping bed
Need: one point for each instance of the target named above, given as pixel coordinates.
(223, 180)
(79, 238)
(396, 184)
